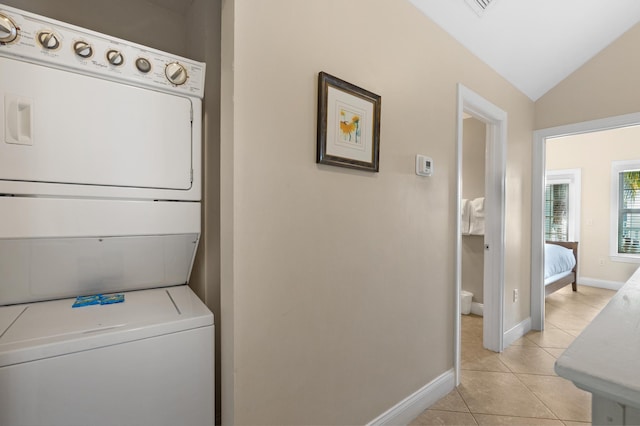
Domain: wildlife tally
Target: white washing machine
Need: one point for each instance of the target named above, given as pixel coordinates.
(100, 193)
(147, 361)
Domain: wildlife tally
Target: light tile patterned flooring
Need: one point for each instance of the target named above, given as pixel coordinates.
(519, 386)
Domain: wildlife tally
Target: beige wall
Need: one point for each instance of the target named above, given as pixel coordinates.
(474, 143)
(593, 154)
(608, 85)
(338, 285)
(474, 138)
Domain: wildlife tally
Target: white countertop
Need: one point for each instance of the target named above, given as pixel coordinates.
(605, 358)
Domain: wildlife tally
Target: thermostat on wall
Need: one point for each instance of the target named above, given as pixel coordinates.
(424, 165)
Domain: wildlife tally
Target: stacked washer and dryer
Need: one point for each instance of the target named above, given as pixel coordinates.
(100, 190)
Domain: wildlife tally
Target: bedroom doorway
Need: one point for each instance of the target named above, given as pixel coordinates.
(495, 122)
(540, 138)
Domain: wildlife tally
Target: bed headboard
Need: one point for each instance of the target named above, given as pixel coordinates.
(573, 245)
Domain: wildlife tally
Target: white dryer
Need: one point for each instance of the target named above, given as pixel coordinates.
(100, 170)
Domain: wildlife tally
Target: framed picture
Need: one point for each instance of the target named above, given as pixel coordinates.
(348, 125)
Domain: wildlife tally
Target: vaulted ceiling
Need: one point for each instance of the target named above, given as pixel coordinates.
(534, 44)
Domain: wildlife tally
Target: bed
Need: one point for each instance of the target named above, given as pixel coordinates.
(560, 265)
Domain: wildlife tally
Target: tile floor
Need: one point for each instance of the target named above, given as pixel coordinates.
(519, 386)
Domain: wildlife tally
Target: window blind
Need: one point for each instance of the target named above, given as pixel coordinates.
(556, 208)
(629, 212)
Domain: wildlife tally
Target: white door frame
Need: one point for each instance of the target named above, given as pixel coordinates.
(537, 198)
(496, 120)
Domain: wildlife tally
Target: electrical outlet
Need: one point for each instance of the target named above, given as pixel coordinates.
(515, 295)
(601, 261)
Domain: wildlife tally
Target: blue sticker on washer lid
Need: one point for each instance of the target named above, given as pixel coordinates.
(86, 301)
(111, 298)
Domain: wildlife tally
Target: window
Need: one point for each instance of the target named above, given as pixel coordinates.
(562, 205)
(556, 209)
(629, 212)
(625, 211)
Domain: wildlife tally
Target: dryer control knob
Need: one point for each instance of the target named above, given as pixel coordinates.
(83, 49)
(143, 65)
(48, 40)
(115, 57)
(8, 30)
(176, 73)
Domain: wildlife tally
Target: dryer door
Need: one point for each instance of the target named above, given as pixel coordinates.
(70, 130)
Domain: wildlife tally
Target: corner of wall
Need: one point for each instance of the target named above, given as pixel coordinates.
(226, 328)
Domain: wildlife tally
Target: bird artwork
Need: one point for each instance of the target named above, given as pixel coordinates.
(350, 130)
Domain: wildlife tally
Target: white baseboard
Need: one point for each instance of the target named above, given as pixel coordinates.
(516, 332)
(409, 408)
(593, 282)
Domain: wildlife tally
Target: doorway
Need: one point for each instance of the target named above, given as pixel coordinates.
(540, 138)
(495, 119)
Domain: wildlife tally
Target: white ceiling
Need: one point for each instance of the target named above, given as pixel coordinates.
(534, 44)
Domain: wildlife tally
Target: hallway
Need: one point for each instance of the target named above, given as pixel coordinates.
(519, 386)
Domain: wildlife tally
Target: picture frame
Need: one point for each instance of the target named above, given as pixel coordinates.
(348, 125)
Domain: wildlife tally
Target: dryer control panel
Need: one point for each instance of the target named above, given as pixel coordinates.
(41, 40)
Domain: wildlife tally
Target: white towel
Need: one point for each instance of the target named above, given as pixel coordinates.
(465, 215)
(476, 220)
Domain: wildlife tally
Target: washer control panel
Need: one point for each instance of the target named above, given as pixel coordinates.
(56, 44)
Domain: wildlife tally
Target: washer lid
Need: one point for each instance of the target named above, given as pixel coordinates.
(41, 330)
